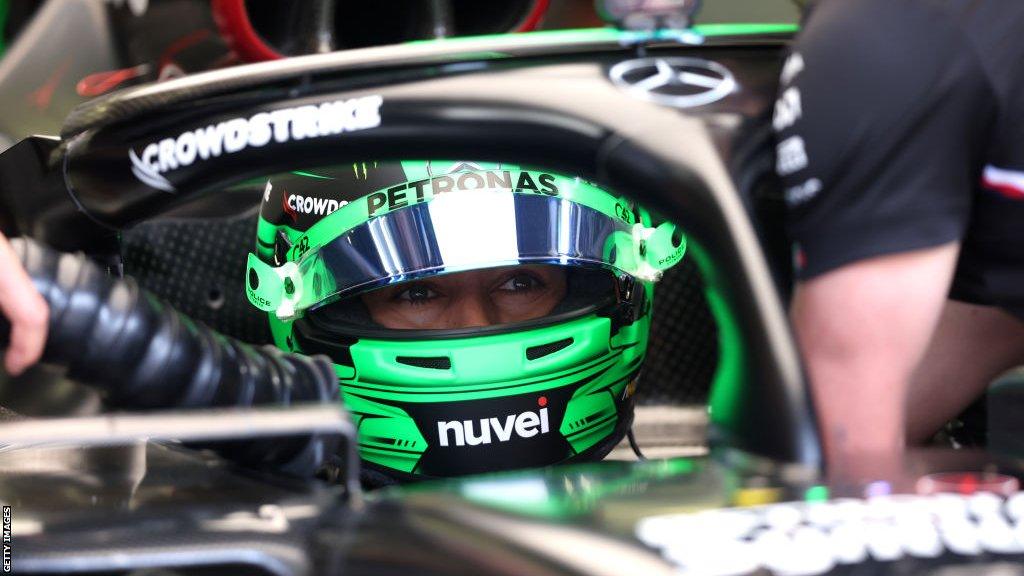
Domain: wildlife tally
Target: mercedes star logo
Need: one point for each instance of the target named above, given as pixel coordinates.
(679, 82)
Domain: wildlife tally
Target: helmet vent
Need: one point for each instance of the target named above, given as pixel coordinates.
(433, 362)
(534, 352)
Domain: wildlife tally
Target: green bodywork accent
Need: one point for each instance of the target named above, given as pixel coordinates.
(563, 493)
(745, 28)
(5, 8)
(594, 35)
(730, 373)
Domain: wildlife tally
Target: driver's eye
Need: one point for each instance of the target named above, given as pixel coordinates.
(416, 294)
(521, 283)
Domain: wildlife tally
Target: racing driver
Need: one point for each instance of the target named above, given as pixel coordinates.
(900, 139)
(480, 316)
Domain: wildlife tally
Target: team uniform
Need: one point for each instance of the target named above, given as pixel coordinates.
(900, 126)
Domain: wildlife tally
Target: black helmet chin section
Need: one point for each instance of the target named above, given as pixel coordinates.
(148, 144)
(373, 476)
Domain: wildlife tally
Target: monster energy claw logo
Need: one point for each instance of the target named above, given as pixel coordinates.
(236, 134)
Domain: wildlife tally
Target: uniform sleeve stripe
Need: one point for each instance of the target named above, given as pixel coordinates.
(1009, 183)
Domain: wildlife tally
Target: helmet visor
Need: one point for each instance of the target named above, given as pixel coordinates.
(456, 232)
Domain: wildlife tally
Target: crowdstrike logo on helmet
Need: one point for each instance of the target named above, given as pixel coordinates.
(296, 204)
(522, 425)
(237, 134)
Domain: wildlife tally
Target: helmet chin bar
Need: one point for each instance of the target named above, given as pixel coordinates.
(375, 476)
(525, 395)
(426, 400)
(662, 158)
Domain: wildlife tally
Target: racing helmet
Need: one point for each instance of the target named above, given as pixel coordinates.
(458, 399)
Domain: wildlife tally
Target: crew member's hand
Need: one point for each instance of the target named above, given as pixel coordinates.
(24, 308)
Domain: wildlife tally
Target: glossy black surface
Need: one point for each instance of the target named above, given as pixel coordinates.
(73, 508)
(115, 509)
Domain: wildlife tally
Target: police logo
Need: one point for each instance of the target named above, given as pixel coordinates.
(678, 82)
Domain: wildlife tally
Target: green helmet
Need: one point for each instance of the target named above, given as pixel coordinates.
(446, 401)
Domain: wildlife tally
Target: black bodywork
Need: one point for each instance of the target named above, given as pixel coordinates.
(127, 510)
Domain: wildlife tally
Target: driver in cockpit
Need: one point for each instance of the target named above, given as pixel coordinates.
(480, 316)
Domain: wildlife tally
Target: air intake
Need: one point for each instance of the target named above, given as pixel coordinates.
(534, 352)
(433, 362)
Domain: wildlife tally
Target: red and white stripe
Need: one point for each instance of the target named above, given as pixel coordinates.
(1009, 183)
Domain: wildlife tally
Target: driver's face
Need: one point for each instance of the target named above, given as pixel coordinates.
(469, 299)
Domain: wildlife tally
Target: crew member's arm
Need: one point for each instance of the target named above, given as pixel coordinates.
(881, 121)
(24, 308)
(862, 329)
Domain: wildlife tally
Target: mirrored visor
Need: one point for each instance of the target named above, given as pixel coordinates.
(456, 232)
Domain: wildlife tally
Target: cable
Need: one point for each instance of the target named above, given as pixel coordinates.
(142, 354)
(634, 445)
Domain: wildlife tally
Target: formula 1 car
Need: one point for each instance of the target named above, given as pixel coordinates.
(209, 488)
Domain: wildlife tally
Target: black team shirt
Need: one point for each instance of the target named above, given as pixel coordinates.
(900, 126)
